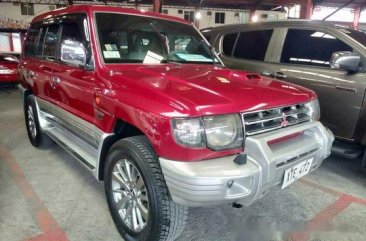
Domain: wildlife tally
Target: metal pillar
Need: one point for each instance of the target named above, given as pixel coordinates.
(306, 9)
(11, 43)
(157, 7)
(356, 18)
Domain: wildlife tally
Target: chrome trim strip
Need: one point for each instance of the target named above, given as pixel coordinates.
(55, 120)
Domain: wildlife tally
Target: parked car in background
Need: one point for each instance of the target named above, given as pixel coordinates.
(329, 59)
(8, 69)
(147, 106)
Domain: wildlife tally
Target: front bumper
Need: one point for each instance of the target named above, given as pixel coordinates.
(208, 182)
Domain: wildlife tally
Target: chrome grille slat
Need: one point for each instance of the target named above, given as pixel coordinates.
(267, 120)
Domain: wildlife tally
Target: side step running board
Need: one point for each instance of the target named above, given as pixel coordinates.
(81, 150)
(346, 150)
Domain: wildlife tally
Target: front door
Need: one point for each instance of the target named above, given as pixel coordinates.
(74, 82)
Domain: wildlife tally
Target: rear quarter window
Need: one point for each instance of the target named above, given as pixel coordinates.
(30, 44)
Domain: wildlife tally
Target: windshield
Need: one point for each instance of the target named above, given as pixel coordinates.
(358, 35)
(136, 39)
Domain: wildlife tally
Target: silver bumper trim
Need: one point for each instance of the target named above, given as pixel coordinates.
(220, 180)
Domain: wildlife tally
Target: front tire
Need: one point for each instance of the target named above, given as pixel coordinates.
(137, 195)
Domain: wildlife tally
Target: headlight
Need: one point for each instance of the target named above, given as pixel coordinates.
(223, 131)
(189, 132)
(314, 109)
(216, 132)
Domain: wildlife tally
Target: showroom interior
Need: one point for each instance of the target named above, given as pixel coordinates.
(217, 120)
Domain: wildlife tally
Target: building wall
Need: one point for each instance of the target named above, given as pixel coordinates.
(207, 20)
(12, 11)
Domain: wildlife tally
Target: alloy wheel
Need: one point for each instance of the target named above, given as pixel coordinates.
(32, 122)
(130, 195)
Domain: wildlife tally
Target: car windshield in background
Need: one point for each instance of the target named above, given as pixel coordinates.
(358, 35)
(136, 39)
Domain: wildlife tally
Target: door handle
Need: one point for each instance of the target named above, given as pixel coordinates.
(279, 75)
(56, 80)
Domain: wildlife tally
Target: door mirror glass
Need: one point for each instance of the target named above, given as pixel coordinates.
(73, 52)
(345, 60)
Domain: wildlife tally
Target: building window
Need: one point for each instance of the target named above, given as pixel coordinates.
(219, 17)
(61, 5)
(189, 16)
(27, 8)
(165, 11)
(294, 12)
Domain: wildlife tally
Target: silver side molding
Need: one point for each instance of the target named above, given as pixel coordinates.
(80, 138)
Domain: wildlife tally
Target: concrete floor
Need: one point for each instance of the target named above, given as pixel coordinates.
(47, 195)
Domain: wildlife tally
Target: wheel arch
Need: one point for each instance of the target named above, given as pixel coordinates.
(25, 92)
(121, 130)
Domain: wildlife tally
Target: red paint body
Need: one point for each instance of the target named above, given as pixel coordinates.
(149, 96)
(8, 69)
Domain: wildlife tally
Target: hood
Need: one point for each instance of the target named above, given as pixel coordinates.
(208, 90)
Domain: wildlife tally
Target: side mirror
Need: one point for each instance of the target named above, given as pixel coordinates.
(345, 60)
(73, 52)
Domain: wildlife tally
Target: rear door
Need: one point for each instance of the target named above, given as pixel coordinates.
(303, 56)
(38, 59)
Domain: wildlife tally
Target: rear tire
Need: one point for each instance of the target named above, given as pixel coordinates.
(35, 135)
(144, 189)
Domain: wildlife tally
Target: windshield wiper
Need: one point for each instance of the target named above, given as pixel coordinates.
(212, 54)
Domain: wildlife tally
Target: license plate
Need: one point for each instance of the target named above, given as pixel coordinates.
(295, 172)
(5, 71)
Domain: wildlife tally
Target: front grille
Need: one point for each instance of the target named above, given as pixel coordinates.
(267, 120)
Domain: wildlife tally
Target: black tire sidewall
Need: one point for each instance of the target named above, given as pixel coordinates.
(37, 140)
(120, 151)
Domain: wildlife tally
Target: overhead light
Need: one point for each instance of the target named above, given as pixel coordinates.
(198, 15)
(255, 18)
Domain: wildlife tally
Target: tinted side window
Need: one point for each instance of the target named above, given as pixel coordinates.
(39, 45)
(228, 43)
(253, 45)
(73, 28)
(30, 44)
(310, 47)
(50, 43)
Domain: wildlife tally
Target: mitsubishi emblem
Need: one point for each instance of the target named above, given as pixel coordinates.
(284, 121)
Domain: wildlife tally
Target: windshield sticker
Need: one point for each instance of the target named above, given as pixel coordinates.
(110, 47)
(152, 58)
(111, 54)
(194, 57)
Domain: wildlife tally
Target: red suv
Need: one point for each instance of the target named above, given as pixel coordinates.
(144, 103)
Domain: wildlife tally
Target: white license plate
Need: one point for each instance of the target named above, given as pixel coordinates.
(5, 71)
(295, 172)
